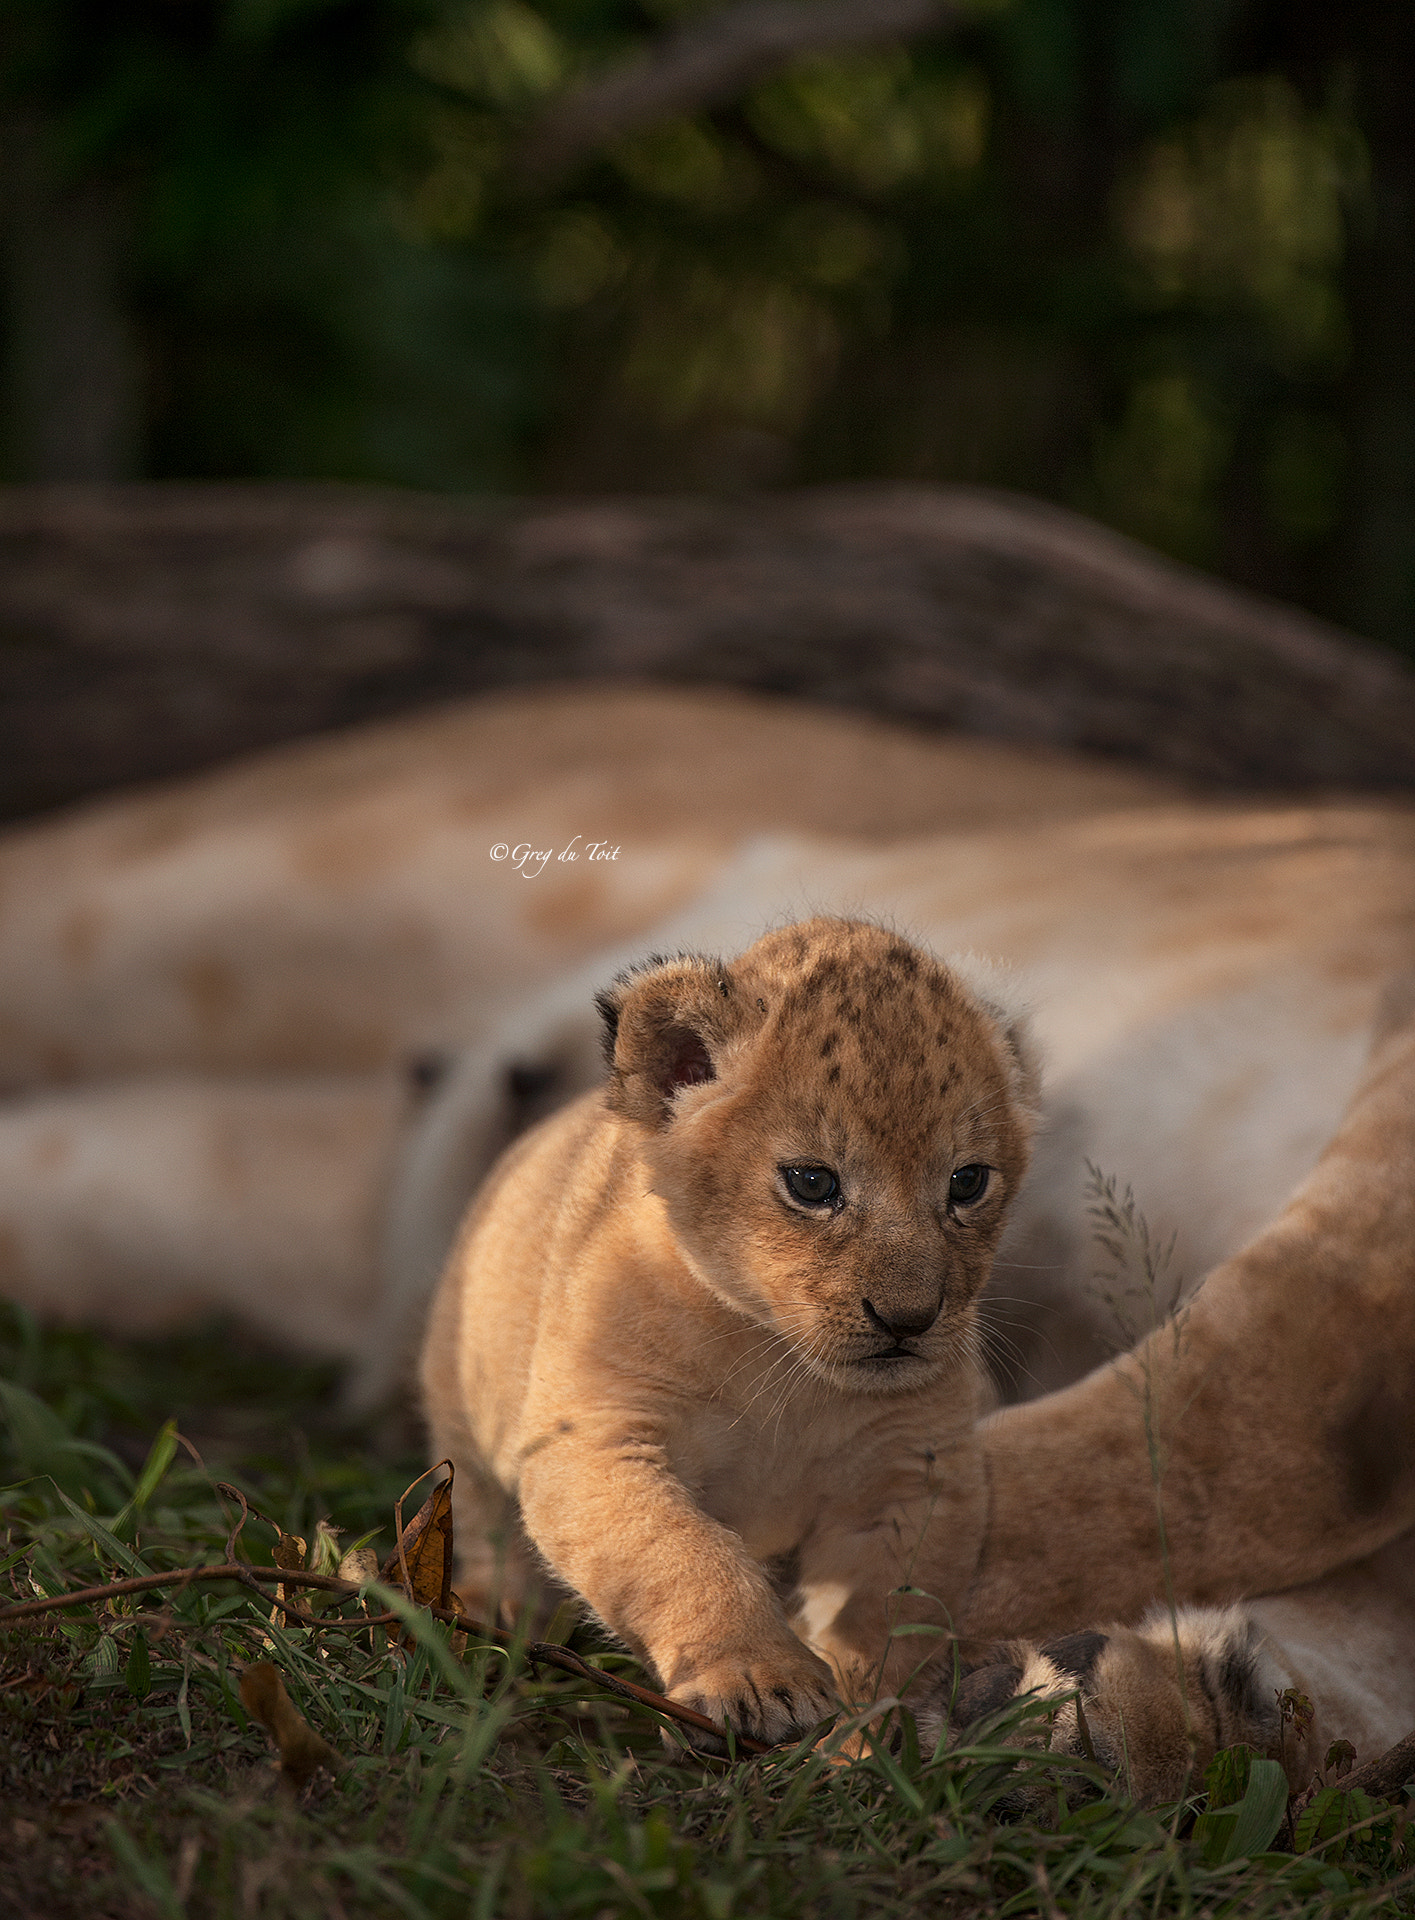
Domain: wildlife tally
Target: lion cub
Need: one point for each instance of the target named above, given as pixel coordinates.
(706, 1341)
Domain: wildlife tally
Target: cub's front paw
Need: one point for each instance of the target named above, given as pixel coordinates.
(1125, 1701)
(775, 1697)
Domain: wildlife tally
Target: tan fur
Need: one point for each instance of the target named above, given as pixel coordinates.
(667, 1370)
(194, 964)
(1286, 1675)
(1269, 1427)
(1290, 1374)
(332, 906)
(1205, 979)
(169, 1200)
(1152, 1703)
(1289, 1370)
(1203, 1012)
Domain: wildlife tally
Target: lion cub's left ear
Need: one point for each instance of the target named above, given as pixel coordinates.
(665, 1023)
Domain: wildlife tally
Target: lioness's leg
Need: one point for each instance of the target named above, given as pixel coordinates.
(1287, 1675)
(150, 1203)
(1269, 1424)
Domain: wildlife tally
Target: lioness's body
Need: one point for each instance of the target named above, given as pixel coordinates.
(335, 905)
(211, 993)
(1270, 1431)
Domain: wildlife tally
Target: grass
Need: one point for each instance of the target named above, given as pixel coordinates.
(133, 1783)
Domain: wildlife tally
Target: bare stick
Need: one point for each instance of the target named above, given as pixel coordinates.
(711, 60)
(543, 1653)
(180, 1576)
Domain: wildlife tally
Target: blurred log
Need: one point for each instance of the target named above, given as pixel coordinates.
(147, 631)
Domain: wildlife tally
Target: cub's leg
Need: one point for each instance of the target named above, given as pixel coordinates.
(614, 1526)
(674, 1584)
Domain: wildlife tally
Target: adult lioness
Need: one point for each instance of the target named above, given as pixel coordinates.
(337, 905)
(211, 993)
(714, 1325)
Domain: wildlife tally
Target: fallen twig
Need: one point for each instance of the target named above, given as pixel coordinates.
(539, 1652)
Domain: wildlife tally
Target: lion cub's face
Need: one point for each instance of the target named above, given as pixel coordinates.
(836, 1125)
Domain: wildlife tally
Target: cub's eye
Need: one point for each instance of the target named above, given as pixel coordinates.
(813, 1186)
(967, 1185)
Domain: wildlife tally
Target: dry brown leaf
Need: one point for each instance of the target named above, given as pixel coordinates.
(420, 1565)
(289, 1552)
(302, 1751)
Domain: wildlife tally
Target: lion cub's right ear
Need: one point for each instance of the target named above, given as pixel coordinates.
(665, 1022)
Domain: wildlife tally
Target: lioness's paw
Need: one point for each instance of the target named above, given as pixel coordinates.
(775, 1698)
(1124, 1700)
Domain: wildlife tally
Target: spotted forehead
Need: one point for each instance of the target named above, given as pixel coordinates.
(883, 1037)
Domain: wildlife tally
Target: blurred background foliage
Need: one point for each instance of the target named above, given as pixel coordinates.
(1154, 259)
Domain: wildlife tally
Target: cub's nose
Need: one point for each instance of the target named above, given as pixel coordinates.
(899, 1324)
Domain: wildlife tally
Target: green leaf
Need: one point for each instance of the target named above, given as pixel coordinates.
(1329, 1814)
(183, 1710)
(1226, 1776)
(137, 1675)
(1212, 1833)
(910, 1759)
(1259, 1814)
(1316, 1821)
(102, 1663)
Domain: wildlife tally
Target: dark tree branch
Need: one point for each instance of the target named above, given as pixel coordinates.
(1387, 1774)
(709, 61)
